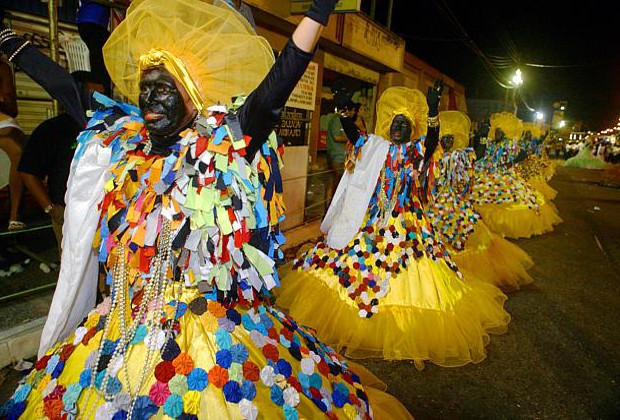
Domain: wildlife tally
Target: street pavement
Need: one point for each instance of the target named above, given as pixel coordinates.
(560, 358)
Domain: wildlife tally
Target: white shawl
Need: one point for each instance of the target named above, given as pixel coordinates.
(350, 203)
(77, 282)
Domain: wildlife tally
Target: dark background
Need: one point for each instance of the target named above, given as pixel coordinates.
(578, 40)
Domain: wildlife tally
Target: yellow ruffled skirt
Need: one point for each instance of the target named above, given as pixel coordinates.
(429, 314)
(493, 259)
(516, 220)
(539, 183)
(222, 365)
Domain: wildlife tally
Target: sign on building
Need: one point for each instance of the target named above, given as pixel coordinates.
(304, 94)
(292, 125)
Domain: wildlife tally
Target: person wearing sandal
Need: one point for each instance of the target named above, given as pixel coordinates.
(11, 141)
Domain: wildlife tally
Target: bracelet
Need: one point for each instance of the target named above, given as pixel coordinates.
(18, 50)
(7, 38)
(6, 34)
(433, 121)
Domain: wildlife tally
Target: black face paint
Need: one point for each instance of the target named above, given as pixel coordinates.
(499, 134)
(447, 142)
(162, 105)
(400, 130)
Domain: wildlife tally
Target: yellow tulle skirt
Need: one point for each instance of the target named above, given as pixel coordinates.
(517, 220)
(493, 259)
(429, 314)
(539, 183)
(201, 380)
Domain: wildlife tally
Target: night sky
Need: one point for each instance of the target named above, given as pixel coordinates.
(581, 38)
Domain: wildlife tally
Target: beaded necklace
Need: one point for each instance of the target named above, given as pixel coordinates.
(177, 220)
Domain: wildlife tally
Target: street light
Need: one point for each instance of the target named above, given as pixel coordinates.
(517, 79)
(562, 124)
(540, 116)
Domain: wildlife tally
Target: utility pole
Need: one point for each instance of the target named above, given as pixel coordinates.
(389, 16)
(52, 9)
(373, 9)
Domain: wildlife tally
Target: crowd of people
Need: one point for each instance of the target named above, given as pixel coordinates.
(605, 148)
(175, 200)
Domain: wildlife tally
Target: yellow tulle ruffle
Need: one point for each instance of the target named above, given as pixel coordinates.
(493, 259)
(197, 339)
(517, 220)
(429, 314)
(539, 183)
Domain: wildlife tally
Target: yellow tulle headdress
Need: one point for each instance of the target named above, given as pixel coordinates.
(401, 100)
(207, 46)
(457, 124)
(532, 128)
(510, 125)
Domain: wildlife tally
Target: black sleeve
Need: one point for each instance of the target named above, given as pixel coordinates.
(350, 129)
(263, 106)
(430, 143)
(52, 77)
(37, 155)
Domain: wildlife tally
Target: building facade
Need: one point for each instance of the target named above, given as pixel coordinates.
(355, 55)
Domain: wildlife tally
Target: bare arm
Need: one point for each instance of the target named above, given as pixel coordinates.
(307, 34)
(36, 187)
(8, 102)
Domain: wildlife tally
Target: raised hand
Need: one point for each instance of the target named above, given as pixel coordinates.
(320, 10)
(433, 97)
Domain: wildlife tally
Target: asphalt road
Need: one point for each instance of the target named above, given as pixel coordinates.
(561, 356)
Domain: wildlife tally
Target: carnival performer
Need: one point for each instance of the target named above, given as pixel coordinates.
(382, 284)
(585, 158)
(476, 251)
(170, 202)
(507, 203)
(536, 167)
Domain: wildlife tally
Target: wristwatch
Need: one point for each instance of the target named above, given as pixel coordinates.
(48, 209)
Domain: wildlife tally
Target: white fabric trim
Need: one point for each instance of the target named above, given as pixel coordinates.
(350, 203)
(9, 123)
(77, 283)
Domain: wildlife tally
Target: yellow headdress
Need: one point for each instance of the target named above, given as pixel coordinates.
(206, 45)
(510, 125)
(456, 123)
(401, 100)
(532, 128)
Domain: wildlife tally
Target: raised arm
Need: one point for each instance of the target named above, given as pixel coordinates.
(51, 76)
(432, 134)
(263, 106)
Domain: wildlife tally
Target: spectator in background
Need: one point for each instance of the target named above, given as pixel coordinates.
(244, 9)
(336, 154)
(11, 139)
(48, 154)
(352, 122)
